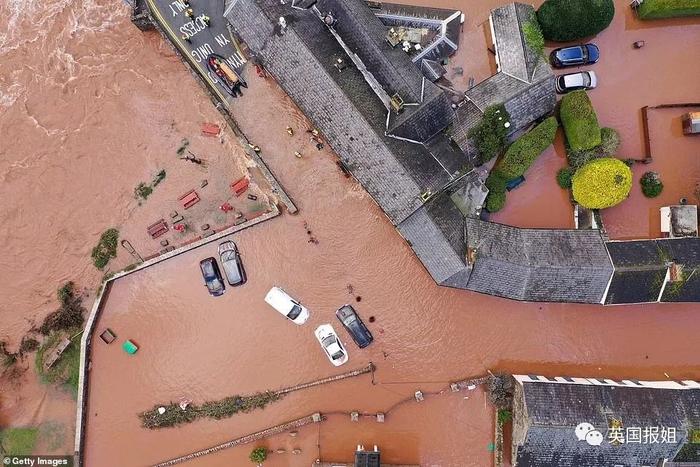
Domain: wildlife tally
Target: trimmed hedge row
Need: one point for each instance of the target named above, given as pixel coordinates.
(580, 121)
(523, 152)
(570, 20)
(602, 183)
(658, 9)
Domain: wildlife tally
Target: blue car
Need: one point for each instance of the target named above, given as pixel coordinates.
(576, 55)
(212, 276)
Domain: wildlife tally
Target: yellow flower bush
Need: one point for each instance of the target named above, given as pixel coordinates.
(602, 183)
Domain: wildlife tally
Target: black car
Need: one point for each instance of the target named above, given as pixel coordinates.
(575, 55)
(231, 262)
(212, 276)
(354, 325)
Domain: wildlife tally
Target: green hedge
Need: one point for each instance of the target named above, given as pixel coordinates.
(570, 20)
(658, 9)
(564, 177)
(579, 121)
(602, 183)
(495, 201)
(522, 153)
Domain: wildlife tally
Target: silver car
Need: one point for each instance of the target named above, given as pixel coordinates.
(231, 262)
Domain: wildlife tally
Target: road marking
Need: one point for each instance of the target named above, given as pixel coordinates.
(176, 41)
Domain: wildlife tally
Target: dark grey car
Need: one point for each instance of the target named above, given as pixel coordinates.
(212, 276)
(354, 325)
(232, 264)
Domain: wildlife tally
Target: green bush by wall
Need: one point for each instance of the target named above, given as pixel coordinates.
(602, 183)
(570, 20)
(495, 201)
(658, 9)
(490, 134)
(523, 152)
(579, 121)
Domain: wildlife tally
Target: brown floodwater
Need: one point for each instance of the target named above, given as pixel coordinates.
(95, 106)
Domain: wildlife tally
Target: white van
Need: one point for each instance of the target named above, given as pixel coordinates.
(282, 302)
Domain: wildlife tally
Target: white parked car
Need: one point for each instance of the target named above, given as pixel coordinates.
(575, 81)
(282, 302)
(331, 344)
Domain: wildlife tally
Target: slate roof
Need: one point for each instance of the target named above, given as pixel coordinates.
(445, 23)
(641, 267)
(548, 414)
(341, 104)
(524, 82)
(538, 264)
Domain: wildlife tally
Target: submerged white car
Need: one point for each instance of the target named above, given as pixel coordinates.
(286, 305)
(331, 344)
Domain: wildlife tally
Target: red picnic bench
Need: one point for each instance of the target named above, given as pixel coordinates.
(157, 229)
(189, 199)
(240, 186)
(210, 129)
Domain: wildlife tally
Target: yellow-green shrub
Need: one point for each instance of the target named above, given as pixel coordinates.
(602, 183)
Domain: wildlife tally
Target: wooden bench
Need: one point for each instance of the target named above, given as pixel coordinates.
(240, 186)
(189, 199)
(157, 229)
(56, 353)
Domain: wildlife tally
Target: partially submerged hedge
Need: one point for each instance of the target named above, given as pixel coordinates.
(658, 9)
(602, 183)
(224, 408)
(523, 152)
(570, 20)
(580, 121)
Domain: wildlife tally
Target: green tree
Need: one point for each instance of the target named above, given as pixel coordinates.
(651, 184)
(570, 20)
(490, 134)
(258, 455)
(564, 177)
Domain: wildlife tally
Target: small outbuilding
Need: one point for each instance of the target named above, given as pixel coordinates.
(679, 221)
(691, 123)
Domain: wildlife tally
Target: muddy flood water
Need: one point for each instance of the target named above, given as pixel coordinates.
(95, 106)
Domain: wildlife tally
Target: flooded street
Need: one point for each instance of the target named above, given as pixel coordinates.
(94, 107)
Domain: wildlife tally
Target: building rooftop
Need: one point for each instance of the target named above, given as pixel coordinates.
(547, 412)
(537, 264)
(524, 82)
(643, 271)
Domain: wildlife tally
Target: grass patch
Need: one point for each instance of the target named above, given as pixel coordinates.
(18, 441)
(659, 9)
(106, 248)
(580, 121)
(602, 183)
(66, 371)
